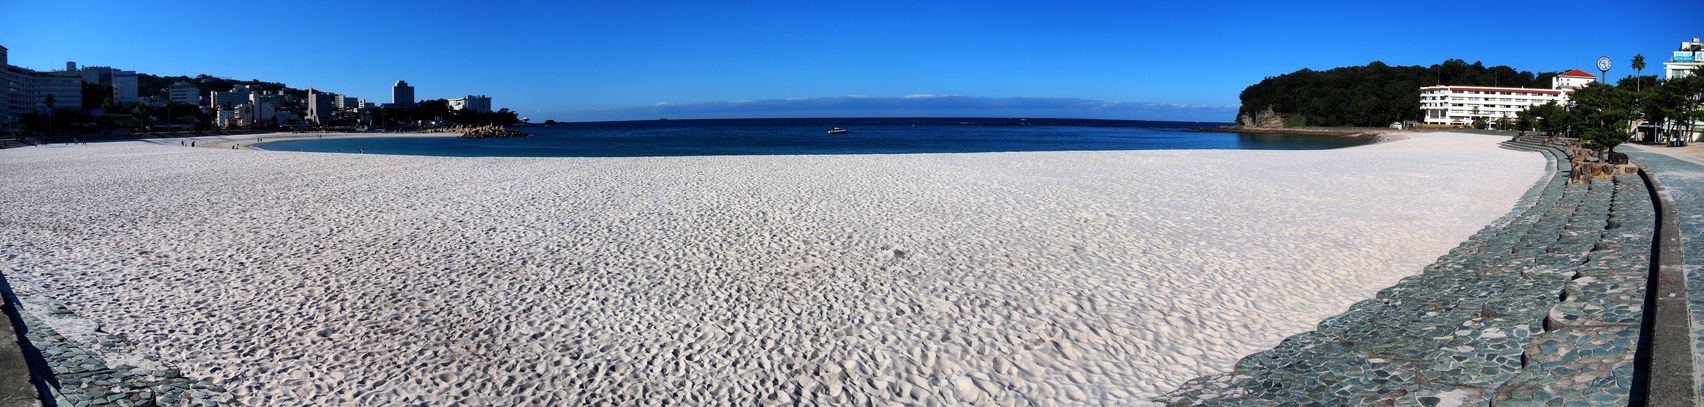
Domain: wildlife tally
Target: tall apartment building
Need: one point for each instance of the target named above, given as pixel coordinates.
(320, 107)
(402, 95)
(25, 91)
(65, 87)
(8, 88)
(1681, 64)
(267, 106)
(184, 92)
(123, 82)
(345, 102)
(236, 96)
(1689, 57)
(124, 86)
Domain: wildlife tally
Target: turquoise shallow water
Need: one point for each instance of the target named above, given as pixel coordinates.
(809, 136)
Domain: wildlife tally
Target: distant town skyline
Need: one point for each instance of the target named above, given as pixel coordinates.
(597, 61)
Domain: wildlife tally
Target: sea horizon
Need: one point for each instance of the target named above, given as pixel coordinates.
(815, 136)
(992, 117)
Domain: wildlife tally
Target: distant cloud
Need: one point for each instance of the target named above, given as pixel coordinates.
(918, 105)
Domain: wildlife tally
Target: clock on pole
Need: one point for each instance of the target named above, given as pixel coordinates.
(1603, 67)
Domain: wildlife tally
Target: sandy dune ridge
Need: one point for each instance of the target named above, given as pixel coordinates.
(1000, 279)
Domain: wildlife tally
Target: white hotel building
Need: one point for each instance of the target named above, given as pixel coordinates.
(1689, 57)
(1460, 105)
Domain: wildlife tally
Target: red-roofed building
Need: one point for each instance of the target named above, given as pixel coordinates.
(1461, 105)
(1571, 80)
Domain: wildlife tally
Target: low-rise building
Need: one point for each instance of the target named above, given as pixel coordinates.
(256, 105)
(1572, 80)
(234, 116)
(1462, 105)
(472, 103)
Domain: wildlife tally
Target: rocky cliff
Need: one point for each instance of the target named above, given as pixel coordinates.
(1261, 119)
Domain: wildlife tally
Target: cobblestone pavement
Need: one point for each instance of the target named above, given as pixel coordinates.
(84, 366)
(1540, 308)
(1684, 180)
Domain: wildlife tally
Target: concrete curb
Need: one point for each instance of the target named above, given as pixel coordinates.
(1668, 359)
(17, 384)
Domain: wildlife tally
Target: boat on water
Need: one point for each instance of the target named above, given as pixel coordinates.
(837, 130)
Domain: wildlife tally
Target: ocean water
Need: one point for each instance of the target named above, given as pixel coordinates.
(809, 136)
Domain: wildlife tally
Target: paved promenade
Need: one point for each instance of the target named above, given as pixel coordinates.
(1682, 171)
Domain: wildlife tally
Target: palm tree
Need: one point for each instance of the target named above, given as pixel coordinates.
(1639, 66)
(49, 102)
(169, 107)
(1638, 83)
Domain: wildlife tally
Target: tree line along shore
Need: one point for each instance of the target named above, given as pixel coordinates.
(1376, 96)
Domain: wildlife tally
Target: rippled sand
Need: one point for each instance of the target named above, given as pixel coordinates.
(1001, 279)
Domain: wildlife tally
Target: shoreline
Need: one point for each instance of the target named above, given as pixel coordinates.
(857, 265)
(1376, 135)
(258, 141)
(254, 141)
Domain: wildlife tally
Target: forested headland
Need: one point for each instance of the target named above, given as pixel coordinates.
(1371, 95)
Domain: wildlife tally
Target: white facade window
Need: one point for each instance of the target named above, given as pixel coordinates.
(1463, 105)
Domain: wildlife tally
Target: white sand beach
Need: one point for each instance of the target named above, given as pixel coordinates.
(1054, 278)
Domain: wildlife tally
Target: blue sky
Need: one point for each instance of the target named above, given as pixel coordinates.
(610, 60)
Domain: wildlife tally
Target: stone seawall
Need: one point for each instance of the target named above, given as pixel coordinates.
(67, 360)
(17, 385)
(1544, 306)
(1669, 361)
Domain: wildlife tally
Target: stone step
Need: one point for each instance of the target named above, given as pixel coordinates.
(1562, 274)
(1585, 367)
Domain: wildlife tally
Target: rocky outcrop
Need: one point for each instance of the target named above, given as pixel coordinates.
(1585, 170)
(1262, 119)
(486, 131)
